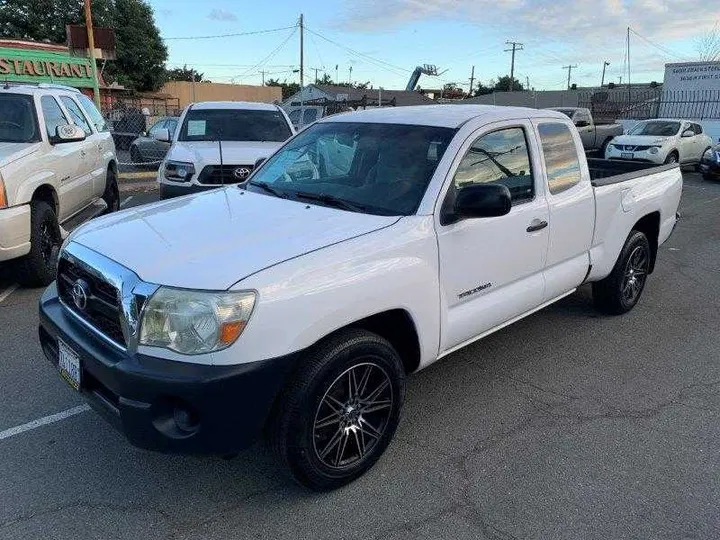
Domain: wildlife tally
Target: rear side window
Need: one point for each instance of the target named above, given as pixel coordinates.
(93, 113)
(697, 128)
(53, 114)
(499, 157)
(561, 156)
(77, 114)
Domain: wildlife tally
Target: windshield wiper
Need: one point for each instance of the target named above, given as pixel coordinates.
(331, 200)
(269, 189)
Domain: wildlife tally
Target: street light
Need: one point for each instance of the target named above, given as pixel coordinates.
(602, 81)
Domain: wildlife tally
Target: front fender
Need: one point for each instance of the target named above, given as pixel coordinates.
(303, 300)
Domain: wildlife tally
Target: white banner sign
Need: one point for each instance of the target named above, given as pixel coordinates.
(692, 76)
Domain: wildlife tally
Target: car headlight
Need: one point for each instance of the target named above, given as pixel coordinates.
(195, 322)
(179, 171)
(654, 149)
(611, 147)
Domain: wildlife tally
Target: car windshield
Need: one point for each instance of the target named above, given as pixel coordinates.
(17, 119)
(234, 125)
(373, 168)
(664, 129)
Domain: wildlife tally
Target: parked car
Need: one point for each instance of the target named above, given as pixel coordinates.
(57, 168)
(665, 140)
(594, 136)
(710, 164)
(128, 123)
(218, 143)
(296, 305)
(147, 148)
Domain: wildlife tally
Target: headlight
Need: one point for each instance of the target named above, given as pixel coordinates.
(195, 322)
(611, 147)
(708, 155)
(179, 171)
(654, 149)
(3, 194)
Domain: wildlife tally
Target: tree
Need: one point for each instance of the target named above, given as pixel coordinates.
(481, 90)
(708, 45)
(288, 89)
(184, 74)
(503, 84)
(141, 53)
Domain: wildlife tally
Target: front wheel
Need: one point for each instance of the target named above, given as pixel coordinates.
(111, 196)
(672, 157)
(341, 410)
(37, 268)
(620, 291)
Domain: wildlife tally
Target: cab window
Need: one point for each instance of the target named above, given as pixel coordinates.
(77, 114)
(561, 156)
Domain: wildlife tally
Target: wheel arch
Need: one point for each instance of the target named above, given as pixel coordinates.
(47, 193)
(649, 225)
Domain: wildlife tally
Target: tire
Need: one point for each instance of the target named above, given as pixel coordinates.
(603, 147)
(619, 292)
(135, 156)
(697, 165)
(37, 268)
(111, 196)
(672, 157)
(323, 434)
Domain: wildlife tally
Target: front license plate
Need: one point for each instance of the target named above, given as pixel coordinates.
(627, 155)
(69, 365)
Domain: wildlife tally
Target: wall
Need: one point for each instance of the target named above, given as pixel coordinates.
(220, 92)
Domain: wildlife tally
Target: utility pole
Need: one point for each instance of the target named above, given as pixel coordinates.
(628, 56)
(602, 81)
(91, 46)
(337, 77)
(527, 83)
(262, 72)
(350, 77)
(569, 68)
(515, 47)
(302, 72)
(472, 80)
(316, 73)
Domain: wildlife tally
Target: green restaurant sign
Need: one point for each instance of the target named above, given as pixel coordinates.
(44, 66)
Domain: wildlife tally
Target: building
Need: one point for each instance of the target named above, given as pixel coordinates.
(190, 92)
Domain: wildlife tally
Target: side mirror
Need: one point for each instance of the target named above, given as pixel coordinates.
(582, 123)
(482, 200)
(66, 133)
(162, 135)
(688, 133)
(259, 162)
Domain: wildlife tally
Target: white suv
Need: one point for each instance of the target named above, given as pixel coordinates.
(218, 143)
(57, 168)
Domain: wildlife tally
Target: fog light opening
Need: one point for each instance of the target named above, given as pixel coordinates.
(185, 420)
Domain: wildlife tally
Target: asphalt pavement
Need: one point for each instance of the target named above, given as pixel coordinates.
(566, 425)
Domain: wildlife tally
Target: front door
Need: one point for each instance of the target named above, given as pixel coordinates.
(491, 269)
(91, 153)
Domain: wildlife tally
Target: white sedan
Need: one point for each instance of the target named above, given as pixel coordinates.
(661, 141)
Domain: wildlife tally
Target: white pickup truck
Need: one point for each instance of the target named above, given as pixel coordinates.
(57, 169)
(296, 304)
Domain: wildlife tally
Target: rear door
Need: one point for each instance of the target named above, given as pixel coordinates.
(571, 208)
(65, 160)
(491, 268)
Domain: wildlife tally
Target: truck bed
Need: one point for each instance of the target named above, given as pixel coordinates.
(604, 172)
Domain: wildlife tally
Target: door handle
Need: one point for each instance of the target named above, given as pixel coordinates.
(536, 225)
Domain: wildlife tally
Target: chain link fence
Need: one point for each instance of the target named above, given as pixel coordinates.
(133, 122)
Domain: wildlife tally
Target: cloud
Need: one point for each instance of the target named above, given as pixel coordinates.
(222, 15)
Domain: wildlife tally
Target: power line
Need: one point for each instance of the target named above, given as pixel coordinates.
(269, 56)
(665, 50)
(232, 35)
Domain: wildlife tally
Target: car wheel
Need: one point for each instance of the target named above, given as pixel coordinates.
(111, 196)
(603, 148)
(672, 157)
(135, 155)
(697, 165)
(620, 291)
(340, 412)
(37, 268)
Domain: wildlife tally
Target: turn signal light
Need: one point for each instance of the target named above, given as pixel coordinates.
(230, 331)
(3, 194)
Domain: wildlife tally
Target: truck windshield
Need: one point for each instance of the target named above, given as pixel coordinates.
(234, 125)
(657, 128)
(17, 119)
(372, 168)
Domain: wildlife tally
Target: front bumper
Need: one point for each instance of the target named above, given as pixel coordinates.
(710, 169)
(14, 232)
(644, 156)
(226, 407)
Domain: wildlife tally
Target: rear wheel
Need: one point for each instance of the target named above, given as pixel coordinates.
(672, 157)
(620, 291)
(37, 268)
(339, 414)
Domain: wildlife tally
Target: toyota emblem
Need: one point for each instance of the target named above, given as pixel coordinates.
(241, 173)
(79, 294)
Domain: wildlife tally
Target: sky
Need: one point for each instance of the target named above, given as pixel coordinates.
(383, 40)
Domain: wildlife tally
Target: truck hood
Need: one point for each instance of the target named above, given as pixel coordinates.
(641, 140)
(214, 239)
(203, 153)
(10, 151)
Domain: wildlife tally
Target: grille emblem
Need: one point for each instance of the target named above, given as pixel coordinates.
(241, 173)
(79, 294)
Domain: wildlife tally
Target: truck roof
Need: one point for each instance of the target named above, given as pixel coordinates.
(245, 105)
(451, 116)
(32, 88)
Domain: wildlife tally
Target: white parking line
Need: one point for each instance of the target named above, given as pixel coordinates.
(45, 420)
(7, 292)
(126, 201)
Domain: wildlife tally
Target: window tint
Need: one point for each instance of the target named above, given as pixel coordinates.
(157, 127)
(500, 157)
(309, 116)
(77, 115)
(234, 125)
(697, 128)
(172, 126)
(17, 119)
(93, 113)
(53, 114)
(561, 157)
